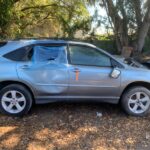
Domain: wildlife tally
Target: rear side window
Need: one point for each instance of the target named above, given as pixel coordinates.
(49, 53)
(22, 54)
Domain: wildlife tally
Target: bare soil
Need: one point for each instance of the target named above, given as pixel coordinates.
(60, 126)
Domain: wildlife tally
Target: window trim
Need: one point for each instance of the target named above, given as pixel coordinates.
(69, 59)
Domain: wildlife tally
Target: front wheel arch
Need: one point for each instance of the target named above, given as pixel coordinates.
(135, 84)
(135, 106)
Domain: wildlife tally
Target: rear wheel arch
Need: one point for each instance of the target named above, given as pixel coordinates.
(6, 83)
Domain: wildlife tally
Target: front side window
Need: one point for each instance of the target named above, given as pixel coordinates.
(49, 53)
(83, 55)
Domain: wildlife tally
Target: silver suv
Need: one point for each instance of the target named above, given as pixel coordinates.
(43, 71)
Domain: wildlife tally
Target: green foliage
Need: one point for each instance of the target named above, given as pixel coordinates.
(129, 20)
(73, 16)
(5, 15)
(108, 45)
(26, 18)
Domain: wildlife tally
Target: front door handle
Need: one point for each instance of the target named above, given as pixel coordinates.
(76, 70)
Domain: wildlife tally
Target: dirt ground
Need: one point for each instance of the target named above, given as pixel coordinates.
(60, 126)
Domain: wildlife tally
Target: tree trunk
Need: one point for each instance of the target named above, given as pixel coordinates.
(120, 22)
(120, 25)
(141, 37)
(118, 44)
(143, 31)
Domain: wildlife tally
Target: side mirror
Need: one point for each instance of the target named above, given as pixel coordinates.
(115, 73)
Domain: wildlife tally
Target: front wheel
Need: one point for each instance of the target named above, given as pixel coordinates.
(136, 101)
(15, 100)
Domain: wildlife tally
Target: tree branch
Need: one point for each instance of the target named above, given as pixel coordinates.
(38, 7)
(138, 14)
(113, 13)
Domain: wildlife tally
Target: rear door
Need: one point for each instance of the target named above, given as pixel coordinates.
(46, 70)
(89, 74)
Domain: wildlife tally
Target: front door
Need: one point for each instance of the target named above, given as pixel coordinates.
(89, 74)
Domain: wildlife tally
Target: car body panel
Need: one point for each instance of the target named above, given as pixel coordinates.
(57, 81)
(95, 80)
(133, 75)
(8, 71)
(48, 79)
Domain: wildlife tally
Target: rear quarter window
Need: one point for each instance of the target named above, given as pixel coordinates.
(22, 54)
(2, 44)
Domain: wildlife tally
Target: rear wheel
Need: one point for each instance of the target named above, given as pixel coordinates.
(15, 100)
(136, 101)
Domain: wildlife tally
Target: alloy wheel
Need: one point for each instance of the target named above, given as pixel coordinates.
(139, 102)
(13, 101)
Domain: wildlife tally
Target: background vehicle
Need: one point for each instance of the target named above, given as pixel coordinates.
(44, 71)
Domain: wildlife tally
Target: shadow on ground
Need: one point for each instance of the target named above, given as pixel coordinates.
(74, 127)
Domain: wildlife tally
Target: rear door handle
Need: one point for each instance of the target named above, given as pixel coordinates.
(25, 67)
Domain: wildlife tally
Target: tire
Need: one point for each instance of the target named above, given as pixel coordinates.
(15, 100)
(136, 101)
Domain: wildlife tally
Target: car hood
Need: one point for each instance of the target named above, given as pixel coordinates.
(131, 63)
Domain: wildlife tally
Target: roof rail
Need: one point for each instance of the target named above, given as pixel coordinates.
(40, 38)
(36, 38)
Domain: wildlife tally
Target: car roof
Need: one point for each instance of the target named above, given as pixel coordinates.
(44, 41)
(12, 45)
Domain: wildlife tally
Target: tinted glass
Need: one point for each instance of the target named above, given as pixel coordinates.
(2, 44)
(22, 54)
(83, 55)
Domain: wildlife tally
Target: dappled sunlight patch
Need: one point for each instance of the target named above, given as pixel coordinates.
(98, 144)
(117, 141)
(103, 148)
(101, 144)
(4, 130)
(11, 141)
(60, 138)
(36, 146)
(130, 141)
(109, 144)
(118, 144)
(88, 129)
(39, 146)
(64, 139)
(42, 134)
